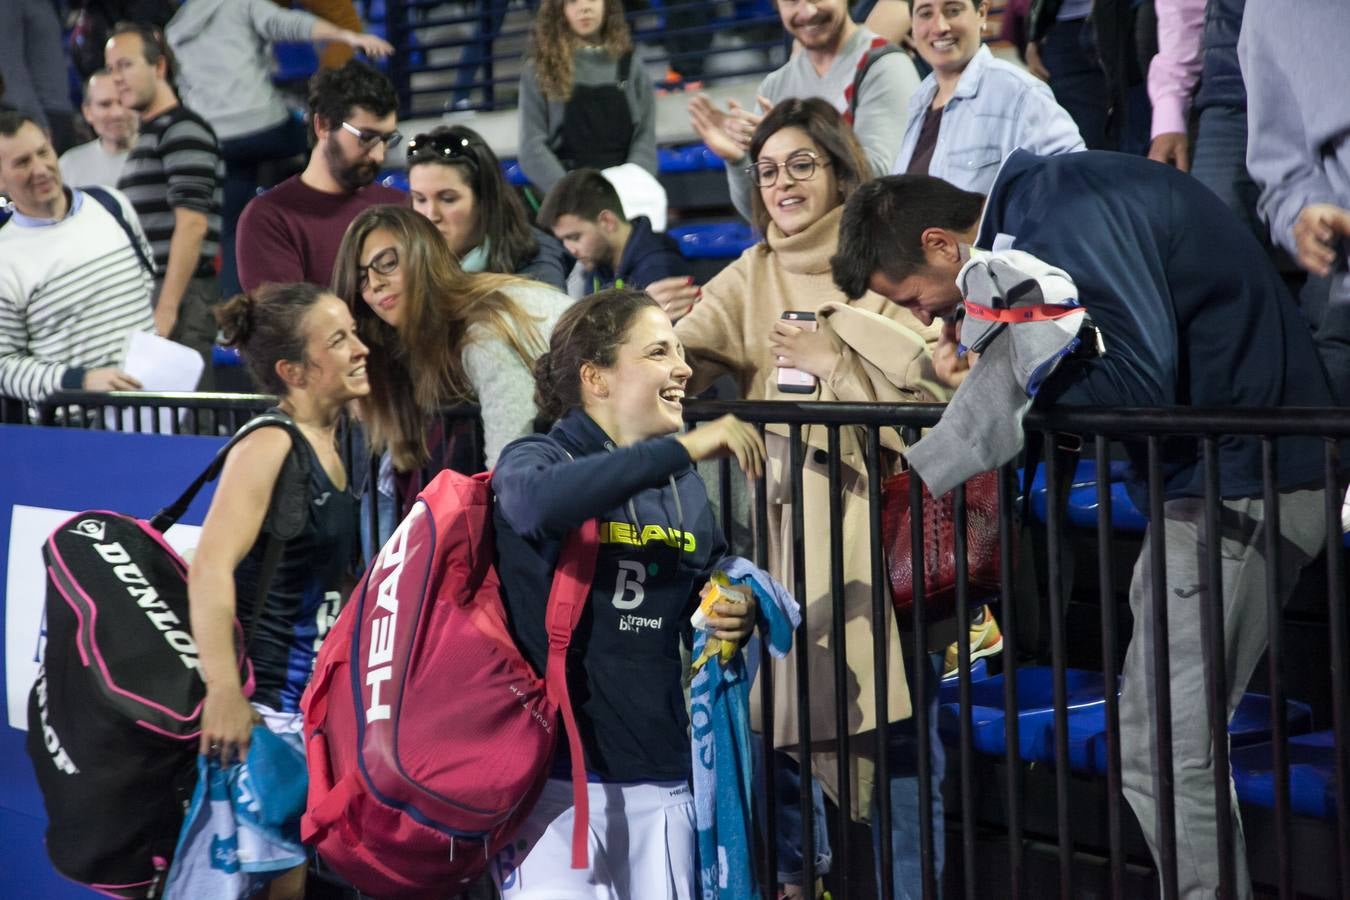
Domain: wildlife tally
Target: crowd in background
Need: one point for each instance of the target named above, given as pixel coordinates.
(455, 287)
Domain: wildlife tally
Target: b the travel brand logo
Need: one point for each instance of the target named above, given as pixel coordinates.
(631, 622)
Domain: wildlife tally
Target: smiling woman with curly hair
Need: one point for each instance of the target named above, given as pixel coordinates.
(585, 100)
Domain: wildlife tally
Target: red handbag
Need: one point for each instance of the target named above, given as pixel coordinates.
(939, 545)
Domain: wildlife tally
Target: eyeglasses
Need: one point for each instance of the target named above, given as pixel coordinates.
(368, 137)
(440, 148)
(800, 167)
(385, 263)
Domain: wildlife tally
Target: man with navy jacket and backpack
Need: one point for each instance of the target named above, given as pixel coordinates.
(75, 275)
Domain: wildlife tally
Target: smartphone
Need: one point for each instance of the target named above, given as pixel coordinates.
(795, 381)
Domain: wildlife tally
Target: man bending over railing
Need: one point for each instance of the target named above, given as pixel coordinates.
(1186, 310)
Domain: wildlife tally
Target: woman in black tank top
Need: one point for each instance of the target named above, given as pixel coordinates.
(299, 342)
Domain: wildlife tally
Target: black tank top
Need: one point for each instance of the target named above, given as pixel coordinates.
(307, 590)
(597, 125)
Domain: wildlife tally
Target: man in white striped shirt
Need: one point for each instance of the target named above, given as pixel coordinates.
(73, 285)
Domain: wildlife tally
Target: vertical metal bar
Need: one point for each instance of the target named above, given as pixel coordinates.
(1007, 533)
(959, 533)
(489, 53)
(880, 657)
(766, 686)
(919, 689)
(724, 496)
(1106, 593)
(803, 644)
(1162, 673)
(838, 652)
(1054, 528)
(373, 517)
(1340, 690)
(1216, 669)
(396, 26)
(1275, 661)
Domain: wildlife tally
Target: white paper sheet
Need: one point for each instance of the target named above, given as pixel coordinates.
(159, 364)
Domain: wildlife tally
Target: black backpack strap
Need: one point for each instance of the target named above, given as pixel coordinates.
(108, 202)
(166, 517)
(869, 59)
(625, 67)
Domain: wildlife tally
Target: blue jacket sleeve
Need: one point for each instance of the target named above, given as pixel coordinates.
(541, 491)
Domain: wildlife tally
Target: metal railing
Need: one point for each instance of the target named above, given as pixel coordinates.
(1031, 823)
(1025, 815)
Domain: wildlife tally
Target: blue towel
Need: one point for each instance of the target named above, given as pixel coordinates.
(242, 828)
(719, 721)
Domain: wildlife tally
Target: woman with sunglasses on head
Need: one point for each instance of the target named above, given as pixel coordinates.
(455, 180)
(614, 378)
(438, 335)
(585, 98)
(805, 163)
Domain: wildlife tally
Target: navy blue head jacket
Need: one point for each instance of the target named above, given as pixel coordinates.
(658, 543)
(1192, 311)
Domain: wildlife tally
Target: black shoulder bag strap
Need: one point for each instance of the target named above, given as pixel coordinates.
(625, 68)
(108, 202)
(864, 66)
(280, 522)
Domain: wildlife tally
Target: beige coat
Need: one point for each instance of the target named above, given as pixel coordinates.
(885, 356)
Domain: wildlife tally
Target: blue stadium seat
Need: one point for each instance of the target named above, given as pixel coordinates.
(1312, 774)
(670, 160)
(296, 61)
(511, 169)
(687, 158)
(1035, 715)
(1250, 726)
(395, 178)
(1082, 508)
(950, 691)
(225, 356)
(720, 240)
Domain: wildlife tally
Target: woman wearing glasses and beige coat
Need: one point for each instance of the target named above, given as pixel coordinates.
(806, 161)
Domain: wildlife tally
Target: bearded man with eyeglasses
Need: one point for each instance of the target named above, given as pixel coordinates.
(292, 232)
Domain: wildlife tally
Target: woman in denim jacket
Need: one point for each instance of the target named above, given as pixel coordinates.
(973, 109)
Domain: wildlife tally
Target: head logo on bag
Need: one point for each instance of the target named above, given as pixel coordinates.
(384, 623)
(412, 791)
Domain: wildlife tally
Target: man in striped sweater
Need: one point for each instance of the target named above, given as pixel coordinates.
(72, 285)
(173, 177)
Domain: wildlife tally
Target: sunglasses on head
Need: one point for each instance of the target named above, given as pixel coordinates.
(440, 147)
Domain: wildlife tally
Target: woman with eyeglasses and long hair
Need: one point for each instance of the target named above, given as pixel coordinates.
(805, 163)
(438, 335)
(456, 181)
(585, 98)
